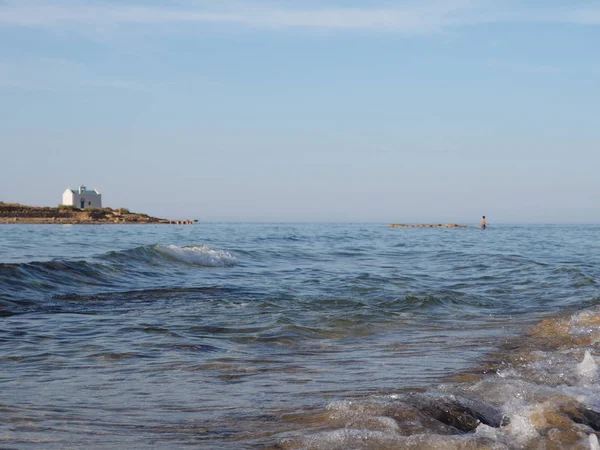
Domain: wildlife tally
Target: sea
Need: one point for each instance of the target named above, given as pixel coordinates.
(299, 336)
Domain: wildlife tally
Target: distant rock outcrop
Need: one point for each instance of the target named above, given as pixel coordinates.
(427, 225)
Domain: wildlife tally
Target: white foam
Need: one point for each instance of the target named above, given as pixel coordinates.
(200, 255)
(375, 423)
(488, 432)
(521, 428)
(594, 442)
(349, 438)
(587, 369)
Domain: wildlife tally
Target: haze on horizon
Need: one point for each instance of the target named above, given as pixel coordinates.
(379, 111)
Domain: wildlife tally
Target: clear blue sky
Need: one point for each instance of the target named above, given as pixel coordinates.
(330, 110)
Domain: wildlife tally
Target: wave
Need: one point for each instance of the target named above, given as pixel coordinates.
(540, 390)
(142, 293)
(109, 271)
(200, 255)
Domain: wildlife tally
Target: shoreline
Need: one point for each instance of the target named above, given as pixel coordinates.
(81, 223)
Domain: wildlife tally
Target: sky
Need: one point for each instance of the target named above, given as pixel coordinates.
(311, 111)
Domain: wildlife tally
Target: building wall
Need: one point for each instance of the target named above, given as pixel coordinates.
(68, 198)
(91, 199)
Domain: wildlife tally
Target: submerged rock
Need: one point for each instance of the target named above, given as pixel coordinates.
(583, 415)
(461, 414)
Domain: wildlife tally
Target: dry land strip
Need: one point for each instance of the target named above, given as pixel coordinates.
(17, 213)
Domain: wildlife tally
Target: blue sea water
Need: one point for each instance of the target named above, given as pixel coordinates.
(233, 335)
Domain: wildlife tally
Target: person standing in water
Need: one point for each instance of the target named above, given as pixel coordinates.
(483, 223)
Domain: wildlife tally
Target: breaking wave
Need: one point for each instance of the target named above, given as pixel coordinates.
(200, 255)
(112, 270)
(538, 391)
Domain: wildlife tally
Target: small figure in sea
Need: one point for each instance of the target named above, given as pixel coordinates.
(483, 223)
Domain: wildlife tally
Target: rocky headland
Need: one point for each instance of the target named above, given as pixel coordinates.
(17, 213)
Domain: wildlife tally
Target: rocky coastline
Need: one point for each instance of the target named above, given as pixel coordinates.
(15, 213)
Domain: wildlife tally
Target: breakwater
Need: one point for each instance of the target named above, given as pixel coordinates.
(427, 225)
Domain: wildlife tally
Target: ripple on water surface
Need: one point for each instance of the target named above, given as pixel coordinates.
(300, 336)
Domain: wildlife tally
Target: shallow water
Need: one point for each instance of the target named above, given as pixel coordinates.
(298, 336)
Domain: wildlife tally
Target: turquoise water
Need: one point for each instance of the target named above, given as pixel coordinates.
(285, 335)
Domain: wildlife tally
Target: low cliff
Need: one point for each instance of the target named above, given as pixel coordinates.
(16, 213)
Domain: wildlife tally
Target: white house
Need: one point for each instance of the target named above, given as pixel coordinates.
(82, 198)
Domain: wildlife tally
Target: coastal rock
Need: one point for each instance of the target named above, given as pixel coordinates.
(17, 213)
(460, 413)
(583, 415)
(426, 225)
